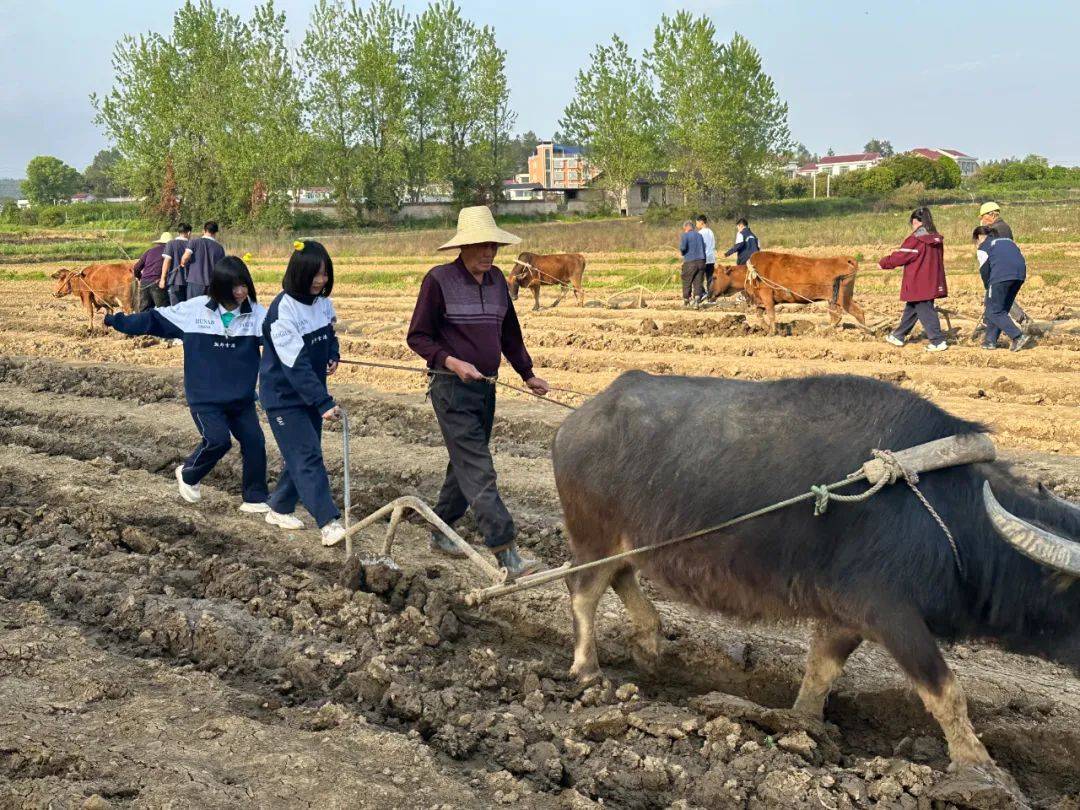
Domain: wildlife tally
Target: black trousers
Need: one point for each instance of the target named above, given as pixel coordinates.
(693, 273)
(710, 268)
(466, 414)
(151, 295)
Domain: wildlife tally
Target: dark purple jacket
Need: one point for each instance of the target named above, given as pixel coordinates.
(148, 268)
(456, 317)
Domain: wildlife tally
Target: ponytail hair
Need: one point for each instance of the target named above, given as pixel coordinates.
(923, 215)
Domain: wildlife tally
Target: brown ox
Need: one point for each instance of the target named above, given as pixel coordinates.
(781, 278)
(99, 286)
(532, 271)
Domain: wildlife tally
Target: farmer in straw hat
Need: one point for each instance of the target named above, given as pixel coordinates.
(464, 322)
(148, 272)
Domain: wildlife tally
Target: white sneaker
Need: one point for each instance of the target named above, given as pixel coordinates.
(283, 521)
(894, 340)
(332, 533)
(189, 492)
(937, 347)
(254, 508)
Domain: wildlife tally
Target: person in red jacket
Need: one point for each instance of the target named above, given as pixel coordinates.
(923, 258)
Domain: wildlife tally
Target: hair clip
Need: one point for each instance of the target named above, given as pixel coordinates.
(298, 245)
(247, 258)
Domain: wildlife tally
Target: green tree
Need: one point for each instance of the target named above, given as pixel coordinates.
(491, 92)
(614, 114)
(379, 54)
(521, 148)
(685, 63)
(746, 128)
(884, 148)
(947, 173)
(98, 177)
(49, 181)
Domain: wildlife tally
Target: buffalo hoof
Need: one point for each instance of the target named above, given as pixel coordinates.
(647, 651)
(984, 786)
(586, 675)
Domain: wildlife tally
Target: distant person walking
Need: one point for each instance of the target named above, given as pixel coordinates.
(1003, 271)
(172, 274)
(702, 224)
(199, 259)
(922, 257)
(990, 216)
(746, 243)
(692, 248)
(148, 271)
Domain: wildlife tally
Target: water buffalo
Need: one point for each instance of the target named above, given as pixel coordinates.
(99, 286)
(655, 457)
(782, 278)
(533, 270)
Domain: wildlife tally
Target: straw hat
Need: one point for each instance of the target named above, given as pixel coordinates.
(164, 239)
(476, 225)
(988, 208)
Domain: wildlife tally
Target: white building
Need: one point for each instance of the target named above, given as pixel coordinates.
(839, 164)
(968, 165)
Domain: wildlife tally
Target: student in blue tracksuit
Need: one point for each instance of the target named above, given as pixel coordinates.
(300, 350)
(222, 332)
(1003, 271)
(746, 244)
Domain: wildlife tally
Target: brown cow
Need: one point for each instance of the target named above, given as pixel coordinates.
(781, 278)
(533, 270)
(99, 286)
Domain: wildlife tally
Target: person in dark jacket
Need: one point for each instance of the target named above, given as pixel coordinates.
(173, 279)
(746, 243)
(221, 332)
(300, 350)
(990, 215)
(148, 271)
(464, 323)
(922, 256)
(1003, 271)
(692, 248)
(199, 258)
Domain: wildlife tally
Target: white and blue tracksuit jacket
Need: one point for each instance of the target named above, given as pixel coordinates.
(220, 365)
(299, 342)
(1000, 260)
(746, 245)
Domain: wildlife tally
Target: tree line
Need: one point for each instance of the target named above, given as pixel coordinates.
(222, 115)
(50, 181)
(701, 109)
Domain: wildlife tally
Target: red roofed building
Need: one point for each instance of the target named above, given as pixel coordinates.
(968, 165)
(839, 164)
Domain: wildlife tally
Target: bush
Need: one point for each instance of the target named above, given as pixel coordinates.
(909, 195)
(51, 216)
(313, 221)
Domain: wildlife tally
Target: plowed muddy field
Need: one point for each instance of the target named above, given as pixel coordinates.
(159, 654)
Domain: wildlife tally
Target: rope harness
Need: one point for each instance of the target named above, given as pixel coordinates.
(891, 470)
(752, 276)
(493, 380)
(540, 272)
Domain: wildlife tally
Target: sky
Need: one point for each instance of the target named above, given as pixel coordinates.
(991, 78)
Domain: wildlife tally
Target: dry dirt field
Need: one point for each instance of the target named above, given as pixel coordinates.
(156, 654)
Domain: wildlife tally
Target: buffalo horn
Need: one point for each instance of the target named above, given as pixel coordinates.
(1038, 544)
(1049, 493)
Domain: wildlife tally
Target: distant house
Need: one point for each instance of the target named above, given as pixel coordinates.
(652, 189)
(521, 189)
(839, 164)
(558, 166)
(968, 165)
(83, 197)
(314, 196)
